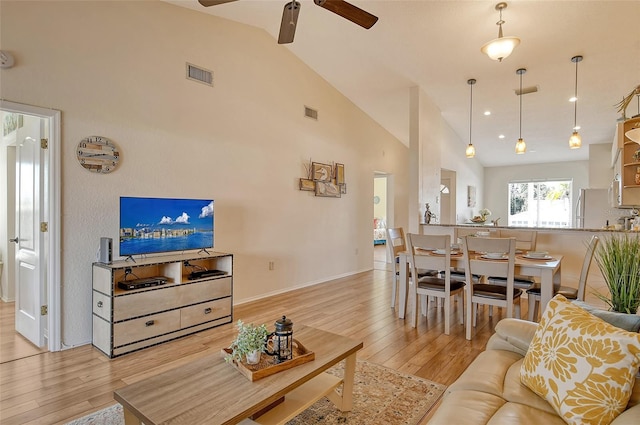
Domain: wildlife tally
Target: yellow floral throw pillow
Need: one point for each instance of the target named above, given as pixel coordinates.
(584, 367)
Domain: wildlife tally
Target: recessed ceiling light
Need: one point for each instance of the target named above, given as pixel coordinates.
(487, 113)
(577, 127)
(501, 136)
(573, 99)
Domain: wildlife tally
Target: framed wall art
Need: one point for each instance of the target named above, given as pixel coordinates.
(306, 184)
(471, 196)
(339, 174)
(327, 189)
(321, 172)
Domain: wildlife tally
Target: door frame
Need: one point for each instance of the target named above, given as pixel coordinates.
(52, 154)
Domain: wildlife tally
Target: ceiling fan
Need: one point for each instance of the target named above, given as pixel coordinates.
(291, 10)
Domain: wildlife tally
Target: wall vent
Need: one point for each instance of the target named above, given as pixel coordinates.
(201, 75)
(527, 90)
(310, 113)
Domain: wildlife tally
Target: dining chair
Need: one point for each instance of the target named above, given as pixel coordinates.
(490, 257)
(568, 292)
(434, 252)
(525, 241)
(396, 244)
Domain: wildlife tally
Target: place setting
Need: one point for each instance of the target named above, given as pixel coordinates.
(536, 255)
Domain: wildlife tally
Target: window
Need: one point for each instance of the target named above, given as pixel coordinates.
(540, 203)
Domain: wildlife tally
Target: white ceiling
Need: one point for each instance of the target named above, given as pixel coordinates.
(436, 45)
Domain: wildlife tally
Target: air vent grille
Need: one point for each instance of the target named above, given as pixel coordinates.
(526, 90)
(201, 75)
(310, 113)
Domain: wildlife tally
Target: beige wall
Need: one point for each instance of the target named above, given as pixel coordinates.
(116, 69)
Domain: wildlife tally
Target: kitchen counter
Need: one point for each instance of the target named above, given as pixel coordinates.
(539, 229)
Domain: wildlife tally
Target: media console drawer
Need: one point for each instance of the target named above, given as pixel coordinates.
(204, 312)
(145, 327)
(167, 298)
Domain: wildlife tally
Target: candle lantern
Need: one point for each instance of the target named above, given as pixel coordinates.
(282, 340)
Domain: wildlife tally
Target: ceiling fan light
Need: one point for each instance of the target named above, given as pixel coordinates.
(500, 48)
(575, 141)
(471, 151)
(521, 146)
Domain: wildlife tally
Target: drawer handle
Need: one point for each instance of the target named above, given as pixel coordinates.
(150, 323)
(207, 310)
(99, 303)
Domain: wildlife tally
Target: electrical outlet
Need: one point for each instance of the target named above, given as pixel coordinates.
(356, 251)
(272, 265)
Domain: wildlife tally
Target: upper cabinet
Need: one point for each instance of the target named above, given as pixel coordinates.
(628, 166)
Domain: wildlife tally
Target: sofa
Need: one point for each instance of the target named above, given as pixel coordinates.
(490, 390)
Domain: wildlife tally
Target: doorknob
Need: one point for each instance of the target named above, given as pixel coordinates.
(14, 240)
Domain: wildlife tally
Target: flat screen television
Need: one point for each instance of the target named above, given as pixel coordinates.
(154, 225)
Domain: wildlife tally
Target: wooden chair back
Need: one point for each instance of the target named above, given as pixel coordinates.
(586, 264)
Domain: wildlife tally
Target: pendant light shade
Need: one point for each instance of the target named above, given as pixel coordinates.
(471, 150)
(575, 141)
(501, 47)
(521, 146)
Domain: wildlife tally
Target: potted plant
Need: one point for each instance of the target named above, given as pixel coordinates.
(618, 260)
(249, 343)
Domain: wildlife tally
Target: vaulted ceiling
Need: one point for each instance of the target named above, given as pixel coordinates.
(435, 45)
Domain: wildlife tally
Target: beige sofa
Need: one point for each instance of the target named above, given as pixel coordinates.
(489, 390)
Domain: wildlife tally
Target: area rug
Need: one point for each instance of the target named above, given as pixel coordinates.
(382, 396)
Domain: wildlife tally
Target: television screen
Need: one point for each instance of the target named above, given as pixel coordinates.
(152, 225)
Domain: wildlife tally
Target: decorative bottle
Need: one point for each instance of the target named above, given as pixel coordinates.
(638, 175)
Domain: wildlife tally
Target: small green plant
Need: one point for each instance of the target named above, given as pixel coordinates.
(249, 339)
(618, 259)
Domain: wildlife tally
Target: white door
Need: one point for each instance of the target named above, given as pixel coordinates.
(29, 239)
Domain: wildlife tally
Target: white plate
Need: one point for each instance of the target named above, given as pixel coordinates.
(537, 254)
(440, 251)
(533, 257)
(494, 256)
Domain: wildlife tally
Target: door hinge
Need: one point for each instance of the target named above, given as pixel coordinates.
(44, 143)
(44, 226)
(44, 310)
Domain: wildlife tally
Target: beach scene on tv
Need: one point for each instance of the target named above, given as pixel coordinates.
(154, 225)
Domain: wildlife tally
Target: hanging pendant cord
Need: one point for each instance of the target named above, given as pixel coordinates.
(575, 104)
(470, 112)
(520, 105)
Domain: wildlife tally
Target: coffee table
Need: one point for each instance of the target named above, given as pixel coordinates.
(210, 391)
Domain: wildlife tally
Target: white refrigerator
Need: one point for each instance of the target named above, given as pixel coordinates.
(594, 209)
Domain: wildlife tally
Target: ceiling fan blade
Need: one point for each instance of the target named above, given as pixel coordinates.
(289, 22)
(348, 11)
(207, 3)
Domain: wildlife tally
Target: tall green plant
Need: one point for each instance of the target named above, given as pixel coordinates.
(618, 258)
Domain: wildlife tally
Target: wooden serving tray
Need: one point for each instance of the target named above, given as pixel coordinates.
(267, 365)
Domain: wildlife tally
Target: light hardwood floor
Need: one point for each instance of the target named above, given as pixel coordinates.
(13, 345)
(55, 387)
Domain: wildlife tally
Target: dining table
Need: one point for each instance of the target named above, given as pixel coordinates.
(547, 269)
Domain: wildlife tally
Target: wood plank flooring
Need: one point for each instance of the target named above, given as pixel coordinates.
(55, 387)
(13, 345)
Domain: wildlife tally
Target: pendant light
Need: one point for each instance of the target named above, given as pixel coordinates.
(575, 141)
(501, 47)
(471, 151)
(521, 146)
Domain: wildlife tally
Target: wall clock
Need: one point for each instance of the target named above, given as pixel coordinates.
(98, 154)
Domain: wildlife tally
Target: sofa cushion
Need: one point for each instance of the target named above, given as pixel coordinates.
(584, 367)
(628, 322)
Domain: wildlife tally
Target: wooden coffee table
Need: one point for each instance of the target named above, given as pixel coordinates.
(210, 391)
